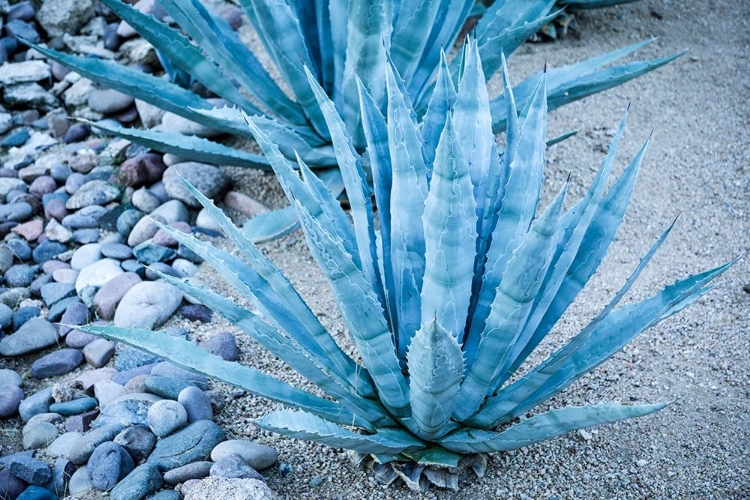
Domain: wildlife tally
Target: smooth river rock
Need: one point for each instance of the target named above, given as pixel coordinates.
(147, 305)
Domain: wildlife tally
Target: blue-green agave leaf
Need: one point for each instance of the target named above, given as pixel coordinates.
(442, 100)
(435, 364)
(214, 36)
(145, 87)
(368, 28)
(286, 44)
(313, 336)
(357, 189)
(190, 356)
(362, 313)
(434, 456)
(592, 346)
(179, 51)
(510, 308)
(569, 276)
(450, 235)
(411, 30)
(286, 348)
(271, 225)
(407, 198)
(501, 16)
(304, 425)
(518, 206)
(186, 146)
(542, 427)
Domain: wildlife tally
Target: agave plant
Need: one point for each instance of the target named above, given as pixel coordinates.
(340, 41)
(445, 297)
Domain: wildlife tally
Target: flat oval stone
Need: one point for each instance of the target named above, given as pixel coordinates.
(193, 443)
(108, 464)
(80, 453)
(61, 446)
(96, 192)
(195, 470)
(79, 482)
(39, 434)
(98, 352)
(117, 251)
(74, 406)
(222, 344)
(56, 363)
(35, 334)
(86, 255)
(98, 274)
(166, 387)
(147, 305)
(47, 250)
(16, 212)
(9, 377)
(35, 404)
(258, 456)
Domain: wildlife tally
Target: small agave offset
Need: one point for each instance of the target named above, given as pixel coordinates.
(445, 297)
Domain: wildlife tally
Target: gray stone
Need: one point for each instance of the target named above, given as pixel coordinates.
(56, 363)
(82, 422)
(9, 377)
(147, 305)
(165, 387)
(98, 352)
(143, 481)
(208, 179)
(172, 211)
(196, 403)
(108, 101)
(59, 17)
(30, 95)
(165, 417)
(74, 406)
(194, 442)
(78, 339)
(167, 495)
(112, 292)
(106, 391)
(125, 412)
(97, 274)
(55, 292)
(20, 275)
(87, 379)
(67, 276)
(129, 358)
(108, 464)
(84, 447)
(35, 404)
(6, 317)
(61, 446)
(24, 314)
(79, 482)
(258, 456)
(85, 256)
(145, 201)
(223, 344)
(234, 466)
(117, 251)
(24, 72)
(230, 489)
(195, 470)
(39, 434)
(10, 398)
(149, 253)
(12, 298)
(96, 192)
(31, 470)
(138, 440)
(35, 334)
(57, 310)
(52, 418)
(184, 268)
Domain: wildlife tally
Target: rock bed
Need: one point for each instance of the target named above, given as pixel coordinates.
(77, 226)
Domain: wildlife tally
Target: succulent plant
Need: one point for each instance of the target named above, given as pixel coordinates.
(340, 41)
(445, 296)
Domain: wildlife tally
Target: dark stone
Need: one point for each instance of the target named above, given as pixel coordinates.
(85, 446)
(16, 212)
(55, 292)
(148, 253)
(192, 443)
(10, 486)
(59, 308)
(24, 314)
(197, 312)
(108, 221)
(56, 363)
(37, 493)
(20, 275)
(48, 250)
(76, 133)
(138, 440)
(31, 470)
(108, 464)
(112, 40)
(20, 248)
(82, 422)
(61, 474)
(23, 10)
(127, 221)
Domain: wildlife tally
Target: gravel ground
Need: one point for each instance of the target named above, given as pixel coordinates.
(696, 167)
